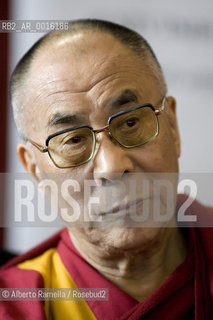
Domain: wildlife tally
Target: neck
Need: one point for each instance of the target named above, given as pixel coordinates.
(140, 271)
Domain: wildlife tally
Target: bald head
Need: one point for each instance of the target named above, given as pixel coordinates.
(58, 46)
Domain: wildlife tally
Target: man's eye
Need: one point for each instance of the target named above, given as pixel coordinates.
(74, 140)
(131, 122)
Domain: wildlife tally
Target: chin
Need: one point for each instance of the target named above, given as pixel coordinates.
(123, 239)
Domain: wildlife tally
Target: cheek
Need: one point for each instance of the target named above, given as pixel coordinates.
(167, 153)
(44, 163)
(158, 155)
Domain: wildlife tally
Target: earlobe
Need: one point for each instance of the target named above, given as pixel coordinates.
(171, 107)
(27, 159)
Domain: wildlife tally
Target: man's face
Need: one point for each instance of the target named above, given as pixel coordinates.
(85, 79)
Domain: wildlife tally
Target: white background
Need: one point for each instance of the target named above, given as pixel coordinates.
(181, 34)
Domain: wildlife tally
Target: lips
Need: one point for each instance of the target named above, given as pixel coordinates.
(123, 209)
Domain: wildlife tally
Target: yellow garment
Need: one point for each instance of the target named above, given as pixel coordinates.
(55, 275)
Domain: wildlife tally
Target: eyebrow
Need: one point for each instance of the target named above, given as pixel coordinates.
(124, 97)
(63, 118)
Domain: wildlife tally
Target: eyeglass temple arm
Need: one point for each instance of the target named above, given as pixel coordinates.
(161, 109)
(38, 146)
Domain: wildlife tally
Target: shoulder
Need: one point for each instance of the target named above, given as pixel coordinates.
(26, 269)
(203, 233)
(29, 270)
(204, 221)
(51, 242)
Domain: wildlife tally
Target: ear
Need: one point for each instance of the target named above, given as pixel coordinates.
(171, 110)
(27, 159)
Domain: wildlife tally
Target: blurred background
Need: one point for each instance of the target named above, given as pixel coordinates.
(181, 34)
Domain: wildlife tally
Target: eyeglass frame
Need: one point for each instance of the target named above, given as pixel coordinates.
(44, 149)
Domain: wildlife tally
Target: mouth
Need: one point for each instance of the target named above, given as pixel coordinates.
(123, 209)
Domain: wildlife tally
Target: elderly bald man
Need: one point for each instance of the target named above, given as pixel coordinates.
(92, 102)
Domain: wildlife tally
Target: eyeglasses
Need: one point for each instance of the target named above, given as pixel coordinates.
(130, 128)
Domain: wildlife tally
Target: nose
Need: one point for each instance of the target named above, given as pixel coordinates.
(111, 160)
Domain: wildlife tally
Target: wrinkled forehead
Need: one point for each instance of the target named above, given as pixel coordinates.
(82, 59)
